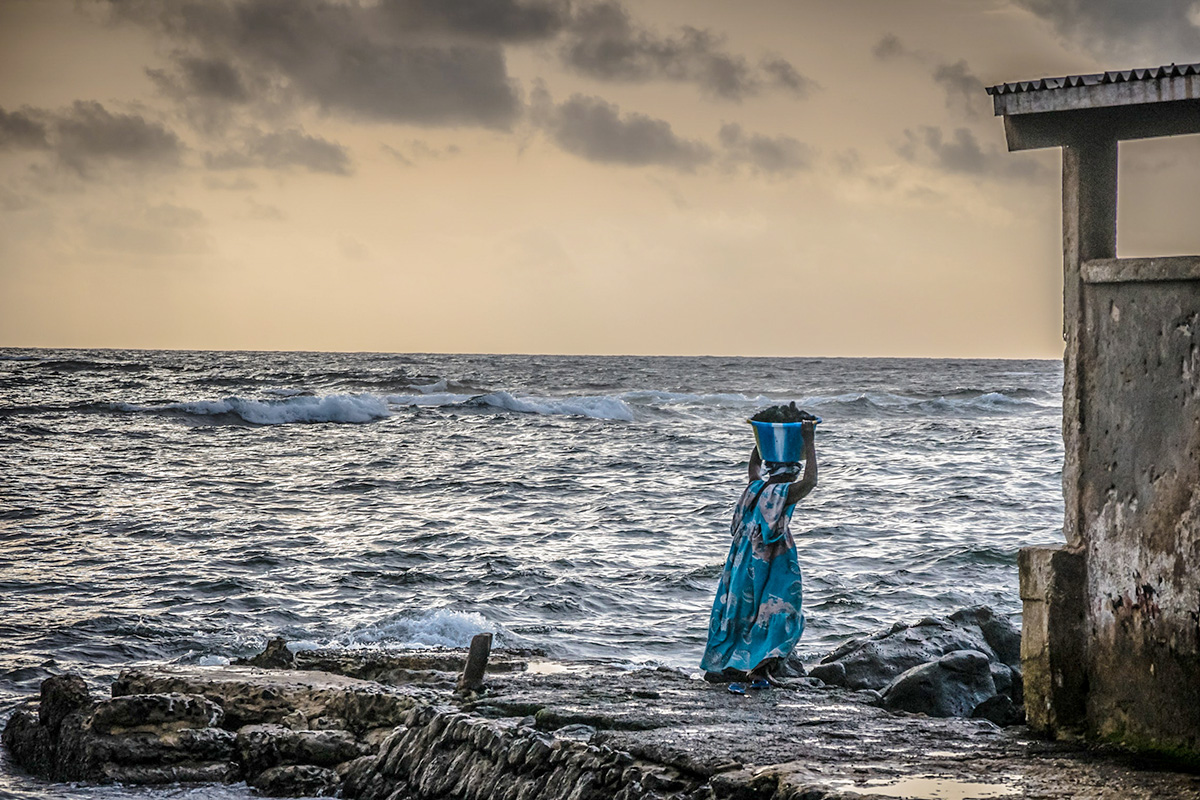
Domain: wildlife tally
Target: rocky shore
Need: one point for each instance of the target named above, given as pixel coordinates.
(924, 710)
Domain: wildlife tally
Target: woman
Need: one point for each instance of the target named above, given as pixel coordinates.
(756, 616)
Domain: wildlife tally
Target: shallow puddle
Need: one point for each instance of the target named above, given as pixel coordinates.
(933, 788)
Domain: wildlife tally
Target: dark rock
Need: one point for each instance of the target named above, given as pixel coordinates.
(791, 667)
(275, 656)
(155, 713)
(1001, 635)
(30, 742)
(192, 745)
(250, 695)
(873, 662)
(1017, 692)
(952, 686)
(262, 747)
(1000, 710)
(297, 780)
(1002, 676)
(145, 774)
(833, 673)
(62, 694)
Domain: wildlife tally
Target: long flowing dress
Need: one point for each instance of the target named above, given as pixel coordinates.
(757, 613)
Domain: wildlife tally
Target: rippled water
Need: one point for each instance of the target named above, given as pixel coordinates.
(187, 506)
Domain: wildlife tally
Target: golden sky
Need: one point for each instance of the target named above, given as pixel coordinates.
(767, 177)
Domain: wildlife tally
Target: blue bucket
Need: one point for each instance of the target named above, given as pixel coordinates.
(779, 441)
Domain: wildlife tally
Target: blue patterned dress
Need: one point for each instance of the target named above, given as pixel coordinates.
(756, 614)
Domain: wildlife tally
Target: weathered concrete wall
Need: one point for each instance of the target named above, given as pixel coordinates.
(1139, 507)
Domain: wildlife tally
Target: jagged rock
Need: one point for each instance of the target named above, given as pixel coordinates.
(1001, 635)
(250, 695)
(61, 695)
(32, 745)
(155, 713)
(297, 780)
(875, 661)
(210, 772)
(952, 686)
(275, 656)
(199, 746)
(296, 721)
(261, 747)
(1000, 710)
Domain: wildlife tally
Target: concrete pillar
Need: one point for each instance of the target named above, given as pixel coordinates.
(1053, 642)
(1089, 223)
(1054, 579)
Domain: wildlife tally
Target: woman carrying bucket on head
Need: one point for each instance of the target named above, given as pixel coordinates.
(756, 616)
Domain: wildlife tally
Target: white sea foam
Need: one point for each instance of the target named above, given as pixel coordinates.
(653, 397)
(599, 407)
(602, 407)
(441, 627)
(432, 388)
(213, 661)
(330, 408)
(432, 400)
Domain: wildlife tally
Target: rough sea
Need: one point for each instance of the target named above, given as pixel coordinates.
(185, 507)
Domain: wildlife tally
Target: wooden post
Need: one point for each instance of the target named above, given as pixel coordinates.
(472, 675)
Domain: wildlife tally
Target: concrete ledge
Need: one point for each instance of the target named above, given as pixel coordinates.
(1141, 270)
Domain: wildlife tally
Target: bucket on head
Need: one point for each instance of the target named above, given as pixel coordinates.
(779, 441)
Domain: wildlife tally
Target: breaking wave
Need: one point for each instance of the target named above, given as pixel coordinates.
(441, 627)
(354, 408)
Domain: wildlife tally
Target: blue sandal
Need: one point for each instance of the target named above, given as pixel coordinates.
(760, 683)
(737, 688)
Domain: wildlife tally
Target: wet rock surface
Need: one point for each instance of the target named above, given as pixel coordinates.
(872, 662)
(953, 686)
(582, 731)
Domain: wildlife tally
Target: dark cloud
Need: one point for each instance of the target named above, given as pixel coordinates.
(779, 155)
(353, 59)
(783, 75)
(964, 91)
(889, 47)
(604, 42)
(283, 150)
(1163, 31)
(596, 130)
(86, 135)
(20, 131)
(962, 154)
(493, 20)
(214, 78)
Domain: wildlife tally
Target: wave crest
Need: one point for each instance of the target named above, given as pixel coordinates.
(353, 408)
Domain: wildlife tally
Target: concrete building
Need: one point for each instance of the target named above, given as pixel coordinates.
(1111, 636)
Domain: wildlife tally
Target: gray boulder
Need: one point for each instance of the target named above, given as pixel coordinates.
(952, 686)
(875, 661)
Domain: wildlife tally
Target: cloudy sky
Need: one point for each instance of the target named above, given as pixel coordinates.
(767, 177)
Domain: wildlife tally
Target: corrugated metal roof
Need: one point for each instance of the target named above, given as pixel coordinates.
(1119, 76)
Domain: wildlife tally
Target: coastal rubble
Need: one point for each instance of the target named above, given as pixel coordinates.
(560, 731)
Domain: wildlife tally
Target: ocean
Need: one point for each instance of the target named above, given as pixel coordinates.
(185, 507)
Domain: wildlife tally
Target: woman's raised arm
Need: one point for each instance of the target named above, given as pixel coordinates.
(800, 489)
